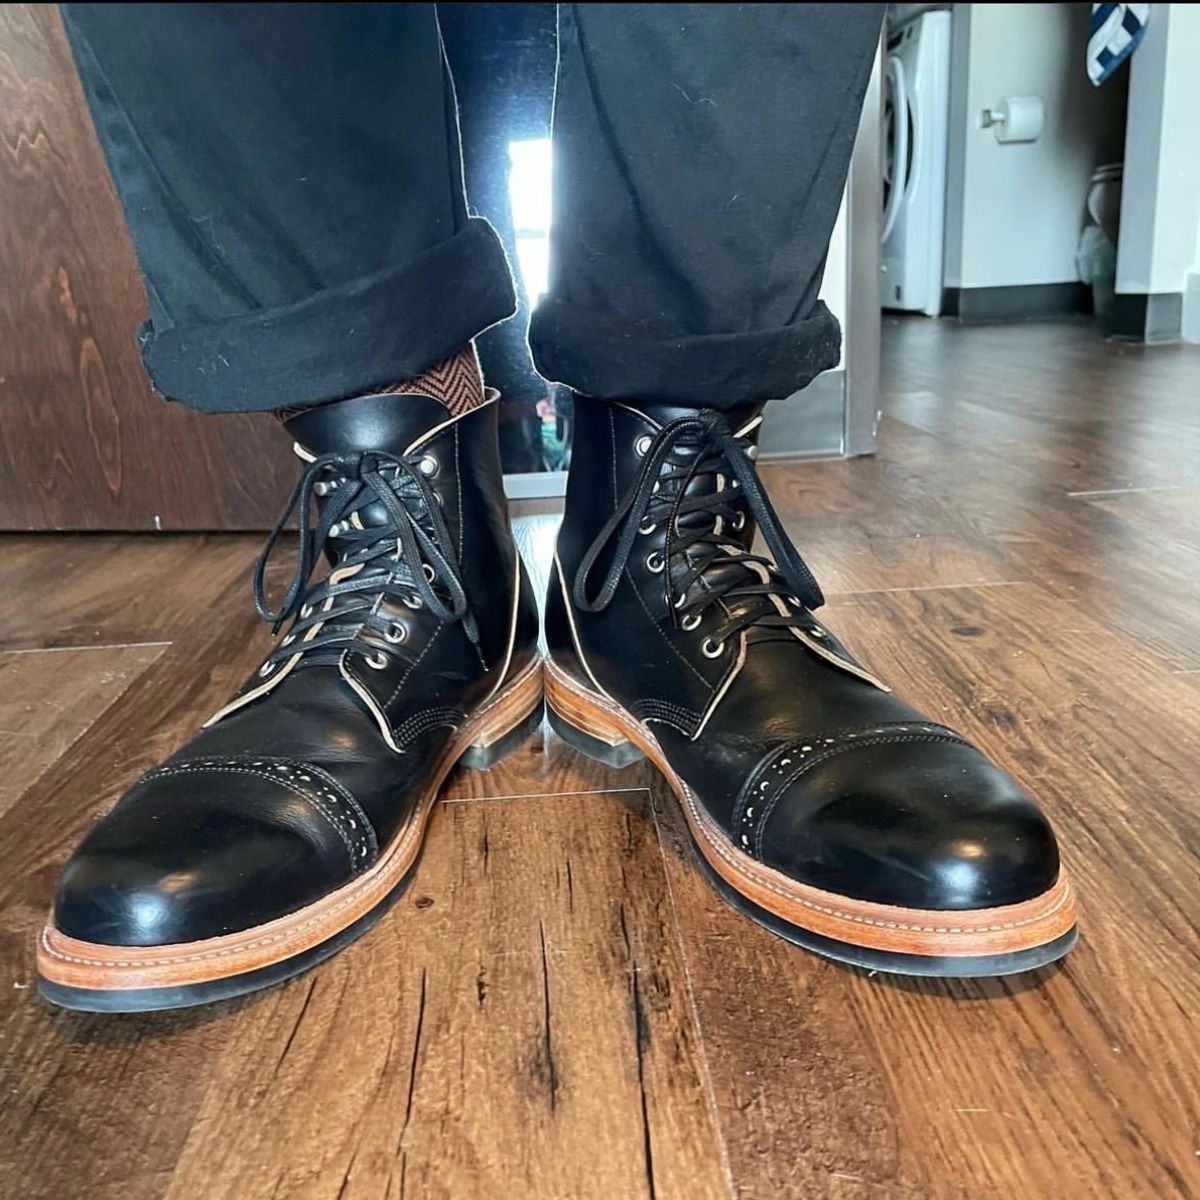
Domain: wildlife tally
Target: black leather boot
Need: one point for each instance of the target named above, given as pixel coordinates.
(292, 820)
(823, 807)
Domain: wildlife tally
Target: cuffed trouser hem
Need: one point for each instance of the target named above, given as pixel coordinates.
(342, 341)
(614, 359)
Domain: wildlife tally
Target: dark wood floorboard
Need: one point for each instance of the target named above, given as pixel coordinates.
(932, 1089)
(48, 698)
(524, 1005)
(106, 589)
(560, 1006)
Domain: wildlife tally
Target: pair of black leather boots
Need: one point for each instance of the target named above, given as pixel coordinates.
(821, 805)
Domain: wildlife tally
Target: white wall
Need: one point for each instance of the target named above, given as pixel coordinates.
(1160, 200)
(1014, 211)
(833, 282)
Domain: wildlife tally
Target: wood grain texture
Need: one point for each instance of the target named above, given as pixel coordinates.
(40, 718)
(84, 443)
(968, 518)
(1021, 453)
(1067, 407)
(520, 1025)
(523, 1030)
(67, 591)
(523, 1021)
(1055, 624)
(1002, 1088)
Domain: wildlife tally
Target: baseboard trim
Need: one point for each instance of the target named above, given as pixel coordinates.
(1023, 302)
(1153, 317)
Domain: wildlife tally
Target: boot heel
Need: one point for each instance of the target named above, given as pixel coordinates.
(510, 722)
(587, 727)
(481, 756)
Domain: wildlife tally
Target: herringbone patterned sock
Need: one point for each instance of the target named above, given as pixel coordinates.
(456, 382)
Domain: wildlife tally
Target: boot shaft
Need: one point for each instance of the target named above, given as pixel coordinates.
(641, 624)
(611, 440)
(692, 614)
(443, 572)
(459, 458)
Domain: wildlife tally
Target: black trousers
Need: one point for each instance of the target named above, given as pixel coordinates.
(292, 178)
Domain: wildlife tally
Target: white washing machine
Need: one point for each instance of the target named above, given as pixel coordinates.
(916, 115)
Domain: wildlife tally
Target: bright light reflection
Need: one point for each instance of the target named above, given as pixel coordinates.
(529, 193)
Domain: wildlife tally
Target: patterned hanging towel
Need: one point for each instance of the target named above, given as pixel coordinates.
(1116, 31)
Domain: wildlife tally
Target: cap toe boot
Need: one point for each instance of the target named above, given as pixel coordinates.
(291, 821)
(822, 805)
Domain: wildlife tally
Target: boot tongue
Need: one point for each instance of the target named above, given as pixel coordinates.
(705, 484)
(738, 418)
(386, 424)
(742, 421)
(389, 423)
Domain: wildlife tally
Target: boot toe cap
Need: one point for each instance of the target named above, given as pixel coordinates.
(201, 853)
(926, 825)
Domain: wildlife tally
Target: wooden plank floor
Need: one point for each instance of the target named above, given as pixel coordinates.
(560, 1007)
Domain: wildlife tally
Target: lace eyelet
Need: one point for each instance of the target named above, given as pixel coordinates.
(306, 611)
(738, 523)
(817, 633)
(642, 446)
(429, 572)
(396, 634)
(711, 649)
(428, 466)
(414, 602)
(690, 622)
(377, 661)
(795, 601)
(646, 529)
(323, 487)
(287, 641)
(682, 600)
(655, 562)
(266, 669)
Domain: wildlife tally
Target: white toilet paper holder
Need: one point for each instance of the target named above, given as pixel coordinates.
(1015, 118)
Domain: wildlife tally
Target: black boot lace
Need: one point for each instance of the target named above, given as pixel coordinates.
(698, 551)
(409, 556)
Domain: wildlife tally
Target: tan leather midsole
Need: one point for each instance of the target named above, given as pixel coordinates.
(943, 934)
(72, 963)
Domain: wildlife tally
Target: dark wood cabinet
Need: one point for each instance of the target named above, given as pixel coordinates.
(84, 442)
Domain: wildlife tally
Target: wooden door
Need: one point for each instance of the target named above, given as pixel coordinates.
(84, 442)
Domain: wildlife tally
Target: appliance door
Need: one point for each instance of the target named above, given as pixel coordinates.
(898, 143)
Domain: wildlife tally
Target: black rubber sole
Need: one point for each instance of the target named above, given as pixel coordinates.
(111, 1000)
(961, 967)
